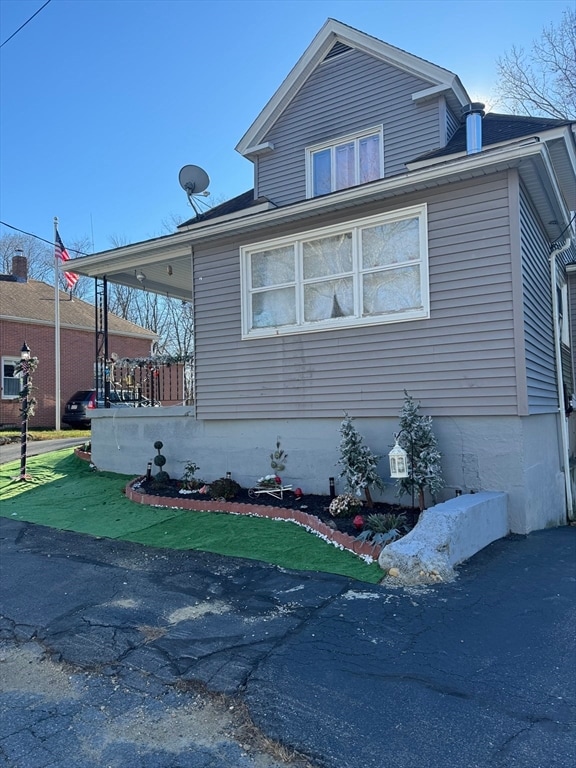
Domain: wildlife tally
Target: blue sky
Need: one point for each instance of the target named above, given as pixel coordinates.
(103, 101)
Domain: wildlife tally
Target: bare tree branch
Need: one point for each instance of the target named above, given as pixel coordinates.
(542, 82)
(40, 257)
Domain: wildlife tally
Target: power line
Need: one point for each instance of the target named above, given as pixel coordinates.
(37, 237)
(26, 22)
(566, 228)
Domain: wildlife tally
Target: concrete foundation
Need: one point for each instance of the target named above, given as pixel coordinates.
(514, 455)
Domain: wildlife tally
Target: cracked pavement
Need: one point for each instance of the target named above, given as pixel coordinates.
(117, 655)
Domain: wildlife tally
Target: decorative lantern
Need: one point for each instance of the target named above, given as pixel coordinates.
(398, 461)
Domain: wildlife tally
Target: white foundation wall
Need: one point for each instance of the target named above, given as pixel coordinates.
(518, 456)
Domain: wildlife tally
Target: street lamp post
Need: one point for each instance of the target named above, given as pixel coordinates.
(25, 367)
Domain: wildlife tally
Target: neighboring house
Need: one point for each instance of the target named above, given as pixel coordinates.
(396, 239)
(27, 314)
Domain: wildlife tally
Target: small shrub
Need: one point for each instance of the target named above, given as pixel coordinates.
(161, 478)
(345, 505)
(188, 480)
(417, 438)
(224, 488)
(387, 522)
(359, 464)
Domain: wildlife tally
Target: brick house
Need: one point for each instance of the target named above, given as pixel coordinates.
(27, 315)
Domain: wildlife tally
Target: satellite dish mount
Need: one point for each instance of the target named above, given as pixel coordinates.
(194, 181)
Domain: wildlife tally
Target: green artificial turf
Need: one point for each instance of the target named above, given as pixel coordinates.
(64, 493)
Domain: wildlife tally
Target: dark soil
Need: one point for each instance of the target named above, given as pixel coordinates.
(312, 504)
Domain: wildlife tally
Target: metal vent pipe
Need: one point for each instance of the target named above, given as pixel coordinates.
(473, 113)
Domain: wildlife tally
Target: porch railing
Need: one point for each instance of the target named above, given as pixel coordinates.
(154, 380)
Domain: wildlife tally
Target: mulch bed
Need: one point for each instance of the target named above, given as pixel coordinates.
(309, 503)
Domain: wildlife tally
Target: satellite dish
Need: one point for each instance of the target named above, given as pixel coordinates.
(193, 179)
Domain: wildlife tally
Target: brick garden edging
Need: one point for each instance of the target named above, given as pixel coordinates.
(298, 516)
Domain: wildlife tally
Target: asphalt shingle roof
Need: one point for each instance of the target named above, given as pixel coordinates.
(239, 203)
(495, 129)
(34, 301)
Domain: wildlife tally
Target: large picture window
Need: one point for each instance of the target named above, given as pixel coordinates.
(11, 384)
(350, 161)
(369, 271)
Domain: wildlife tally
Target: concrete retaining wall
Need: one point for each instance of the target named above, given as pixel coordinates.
(446, 535)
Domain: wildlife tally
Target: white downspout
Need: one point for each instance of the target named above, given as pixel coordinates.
(559, 381)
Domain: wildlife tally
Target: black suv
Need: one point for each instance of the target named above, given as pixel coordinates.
(78, 408)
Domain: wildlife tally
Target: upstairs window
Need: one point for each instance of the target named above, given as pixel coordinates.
(11, 383)
(370, 271)
(352, 160)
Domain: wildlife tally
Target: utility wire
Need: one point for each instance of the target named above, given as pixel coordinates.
(37, 237)
(26, 22)
(566, 228)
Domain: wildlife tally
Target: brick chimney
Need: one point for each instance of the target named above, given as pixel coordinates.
(20, 267)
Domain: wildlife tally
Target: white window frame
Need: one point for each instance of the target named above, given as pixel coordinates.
(10, 360)
(350, 321)
(332, 146)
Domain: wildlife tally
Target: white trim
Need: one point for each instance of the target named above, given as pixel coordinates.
(355, 228)
(377, 130)
(9, 360)
(334, 31)
(430, 94)
(260, 149)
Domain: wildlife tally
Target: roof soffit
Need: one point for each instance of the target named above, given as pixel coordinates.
(334, 31)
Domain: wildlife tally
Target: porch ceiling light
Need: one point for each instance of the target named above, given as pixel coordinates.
(398, 461)
(140, 276)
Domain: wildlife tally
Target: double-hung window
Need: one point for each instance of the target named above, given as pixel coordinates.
(352, 160)
(369, 271)
(11, 383)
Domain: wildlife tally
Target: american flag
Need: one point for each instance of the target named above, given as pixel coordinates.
(61, 253)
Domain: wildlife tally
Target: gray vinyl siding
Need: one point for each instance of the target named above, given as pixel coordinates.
(572, 303)
(452, 124)
(331, 104)
(538, 327)
(458, 362)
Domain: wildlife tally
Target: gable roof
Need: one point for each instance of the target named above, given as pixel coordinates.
(33, 302)
(332, 38)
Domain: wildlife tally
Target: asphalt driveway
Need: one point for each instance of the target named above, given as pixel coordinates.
(11, 451)
(143, 657)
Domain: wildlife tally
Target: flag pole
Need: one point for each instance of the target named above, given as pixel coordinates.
(56, 329)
